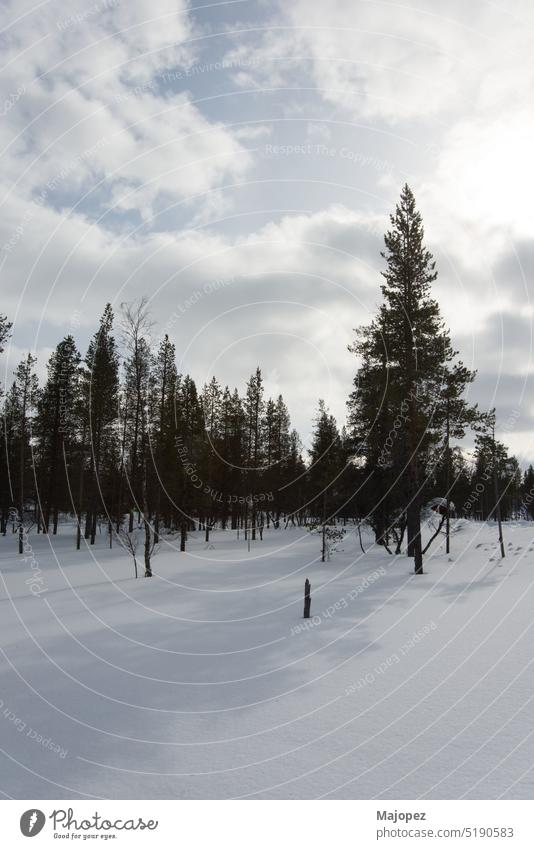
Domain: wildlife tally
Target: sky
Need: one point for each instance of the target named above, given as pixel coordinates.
(236, 163)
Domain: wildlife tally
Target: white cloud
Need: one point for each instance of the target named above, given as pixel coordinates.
(377, 60)
(94, 95)
(455, 81)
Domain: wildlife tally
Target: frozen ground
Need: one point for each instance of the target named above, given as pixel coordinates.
(203, 683)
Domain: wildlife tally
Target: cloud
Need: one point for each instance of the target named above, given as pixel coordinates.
(453, 81)
(101, 112)
(393, 61)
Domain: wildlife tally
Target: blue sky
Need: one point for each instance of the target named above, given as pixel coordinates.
(236, 162)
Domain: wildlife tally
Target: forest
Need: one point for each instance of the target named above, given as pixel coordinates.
(120, 443)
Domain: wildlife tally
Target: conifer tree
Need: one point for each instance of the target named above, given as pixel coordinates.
(496, 476)
(164, 470)
(56, 430)
(277, 450)
(100, 380)
(254, 408)
(210, 461)
(233, 427)
(326, 468)
(5, 499)
(407, 359)
(5, 330)
(292, 491)
(190, 438)
(20, 405)
(527, 492)
(136, 327)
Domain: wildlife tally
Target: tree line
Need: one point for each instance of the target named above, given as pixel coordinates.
(118, 439)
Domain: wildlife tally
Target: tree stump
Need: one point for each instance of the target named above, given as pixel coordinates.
(307, 599)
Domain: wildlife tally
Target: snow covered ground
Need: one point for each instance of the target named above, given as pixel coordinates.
(205, 681)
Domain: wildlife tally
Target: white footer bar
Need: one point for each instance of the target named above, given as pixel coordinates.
(196, 824)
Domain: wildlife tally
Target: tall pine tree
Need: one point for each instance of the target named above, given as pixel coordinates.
(407, 360)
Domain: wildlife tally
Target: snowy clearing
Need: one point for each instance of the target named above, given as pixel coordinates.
(206, 682)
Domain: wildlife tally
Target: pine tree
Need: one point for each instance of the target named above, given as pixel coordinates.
(292, 489)
(56, 430)
(277, 449)
(5, 497)
(407, 359)
(164, 471)
(136, 326)
(327, 464)
(211, 460)
(233, 429)
(100, 381)
(189, 440)
(496, 481)
(254, 407)
(5, 332)
(527, 492)
(20, 406)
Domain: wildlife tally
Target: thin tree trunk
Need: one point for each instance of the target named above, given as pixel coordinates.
(156, 519)
(93, 527)
(360, 538)
(434, 535)
(121, 466)
(401, 536)
(146, 514)
(148, 567)
(414, 535)
(22, 459)
(80, 499)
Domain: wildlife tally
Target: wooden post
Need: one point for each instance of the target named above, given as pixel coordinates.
(323, 547)
(307, 599)
(497, 496)
(448, 483)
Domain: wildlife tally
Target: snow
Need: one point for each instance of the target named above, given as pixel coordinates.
(205, 681)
